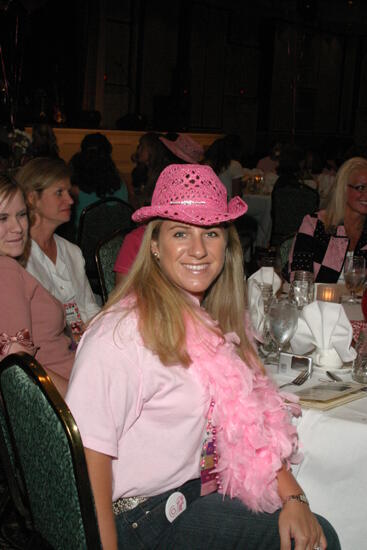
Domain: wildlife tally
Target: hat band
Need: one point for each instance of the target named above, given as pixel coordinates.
(187, 202)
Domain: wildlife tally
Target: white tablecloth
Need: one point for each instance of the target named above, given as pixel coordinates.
(259, 207)
(333, 472)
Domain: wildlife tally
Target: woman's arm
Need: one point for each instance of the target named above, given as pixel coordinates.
(100, 475)
(60, 382)
(302, 252)
(296, 519)
(127, 253)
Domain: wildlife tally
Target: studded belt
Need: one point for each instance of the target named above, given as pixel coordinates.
(125, 504)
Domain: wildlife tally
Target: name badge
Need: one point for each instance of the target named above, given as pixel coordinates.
(175, 505)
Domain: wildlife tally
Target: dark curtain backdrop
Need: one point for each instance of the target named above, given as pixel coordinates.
(49, 59)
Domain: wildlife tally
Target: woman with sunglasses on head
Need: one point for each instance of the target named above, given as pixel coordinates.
(32, 320)
(174, 408)
(325, 238)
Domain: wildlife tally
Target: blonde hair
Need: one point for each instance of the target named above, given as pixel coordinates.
(335, 210)
(8, 189)
(39, 174)
(162, 307)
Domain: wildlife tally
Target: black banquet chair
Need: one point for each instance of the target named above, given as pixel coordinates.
(97, 222)
(106, 254)
(47, 452)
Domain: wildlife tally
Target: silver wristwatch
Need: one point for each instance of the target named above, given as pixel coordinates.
(301, 498)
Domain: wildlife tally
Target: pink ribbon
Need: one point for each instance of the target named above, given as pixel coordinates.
(21, 337)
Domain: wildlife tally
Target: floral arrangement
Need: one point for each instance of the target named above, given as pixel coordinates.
(20, 142)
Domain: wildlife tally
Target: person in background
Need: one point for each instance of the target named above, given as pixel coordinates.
(94, 174)
(150, 158)
(32, 319)
(184, 147)
(155, 151)
(316, 176)
(222, 155)
(325, 238)
(290, 167)
(44, 142)
(271, 161)
(188, 443)
(57, 263)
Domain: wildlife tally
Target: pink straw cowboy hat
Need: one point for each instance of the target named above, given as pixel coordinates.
(193, 194)
(185, 148)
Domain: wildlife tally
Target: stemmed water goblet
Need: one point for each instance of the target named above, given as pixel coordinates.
(282, 322)
(354, 275)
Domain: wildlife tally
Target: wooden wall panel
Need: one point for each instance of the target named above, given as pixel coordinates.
(124, 144)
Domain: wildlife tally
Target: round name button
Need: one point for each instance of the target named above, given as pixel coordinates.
(175, 505)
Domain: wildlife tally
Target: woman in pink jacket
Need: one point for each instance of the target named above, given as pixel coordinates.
(32, 320)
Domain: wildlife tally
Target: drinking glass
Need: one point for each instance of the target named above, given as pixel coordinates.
(267, 346)
(354, 275)
(282, 323)
(301, 290)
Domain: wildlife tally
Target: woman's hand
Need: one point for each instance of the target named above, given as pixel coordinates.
(296, 521)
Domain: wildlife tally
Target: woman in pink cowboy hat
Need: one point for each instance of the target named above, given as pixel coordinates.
(176, 148)
(188, 443)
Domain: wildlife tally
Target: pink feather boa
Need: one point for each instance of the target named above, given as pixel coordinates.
(255, 436)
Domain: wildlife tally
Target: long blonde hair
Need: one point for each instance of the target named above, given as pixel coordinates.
(162, 307)
(335, 210)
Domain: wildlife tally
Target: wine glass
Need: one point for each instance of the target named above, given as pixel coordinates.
(282, 323)
(354, 275)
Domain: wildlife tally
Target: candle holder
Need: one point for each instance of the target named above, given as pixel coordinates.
(328, 294)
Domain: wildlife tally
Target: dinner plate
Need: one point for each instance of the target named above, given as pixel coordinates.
(345, 369)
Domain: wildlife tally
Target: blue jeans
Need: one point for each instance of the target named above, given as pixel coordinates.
(209, 522)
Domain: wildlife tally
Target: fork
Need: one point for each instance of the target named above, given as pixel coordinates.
(299, 380)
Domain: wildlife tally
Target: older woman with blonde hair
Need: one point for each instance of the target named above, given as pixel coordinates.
(57, 263)
(187, 441)
(32, 320)
(325, 238)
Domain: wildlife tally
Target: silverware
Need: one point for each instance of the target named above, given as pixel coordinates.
(299, 380)
(333, 376)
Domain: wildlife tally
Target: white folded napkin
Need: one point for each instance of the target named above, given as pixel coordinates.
(255, 300)
(325, 328)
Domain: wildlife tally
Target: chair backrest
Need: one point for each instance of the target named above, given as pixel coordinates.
(106, 255)
(97, 222)
(284, 250)
(290, 204)
(49, 451)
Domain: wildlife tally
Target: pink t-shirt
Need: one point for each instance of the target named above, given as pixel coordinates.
(25, 304)
(150, 418)
(129, 250)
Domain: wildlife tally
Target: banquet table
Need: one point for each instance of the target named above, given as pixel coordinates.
(333, 471)
(259, 207)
